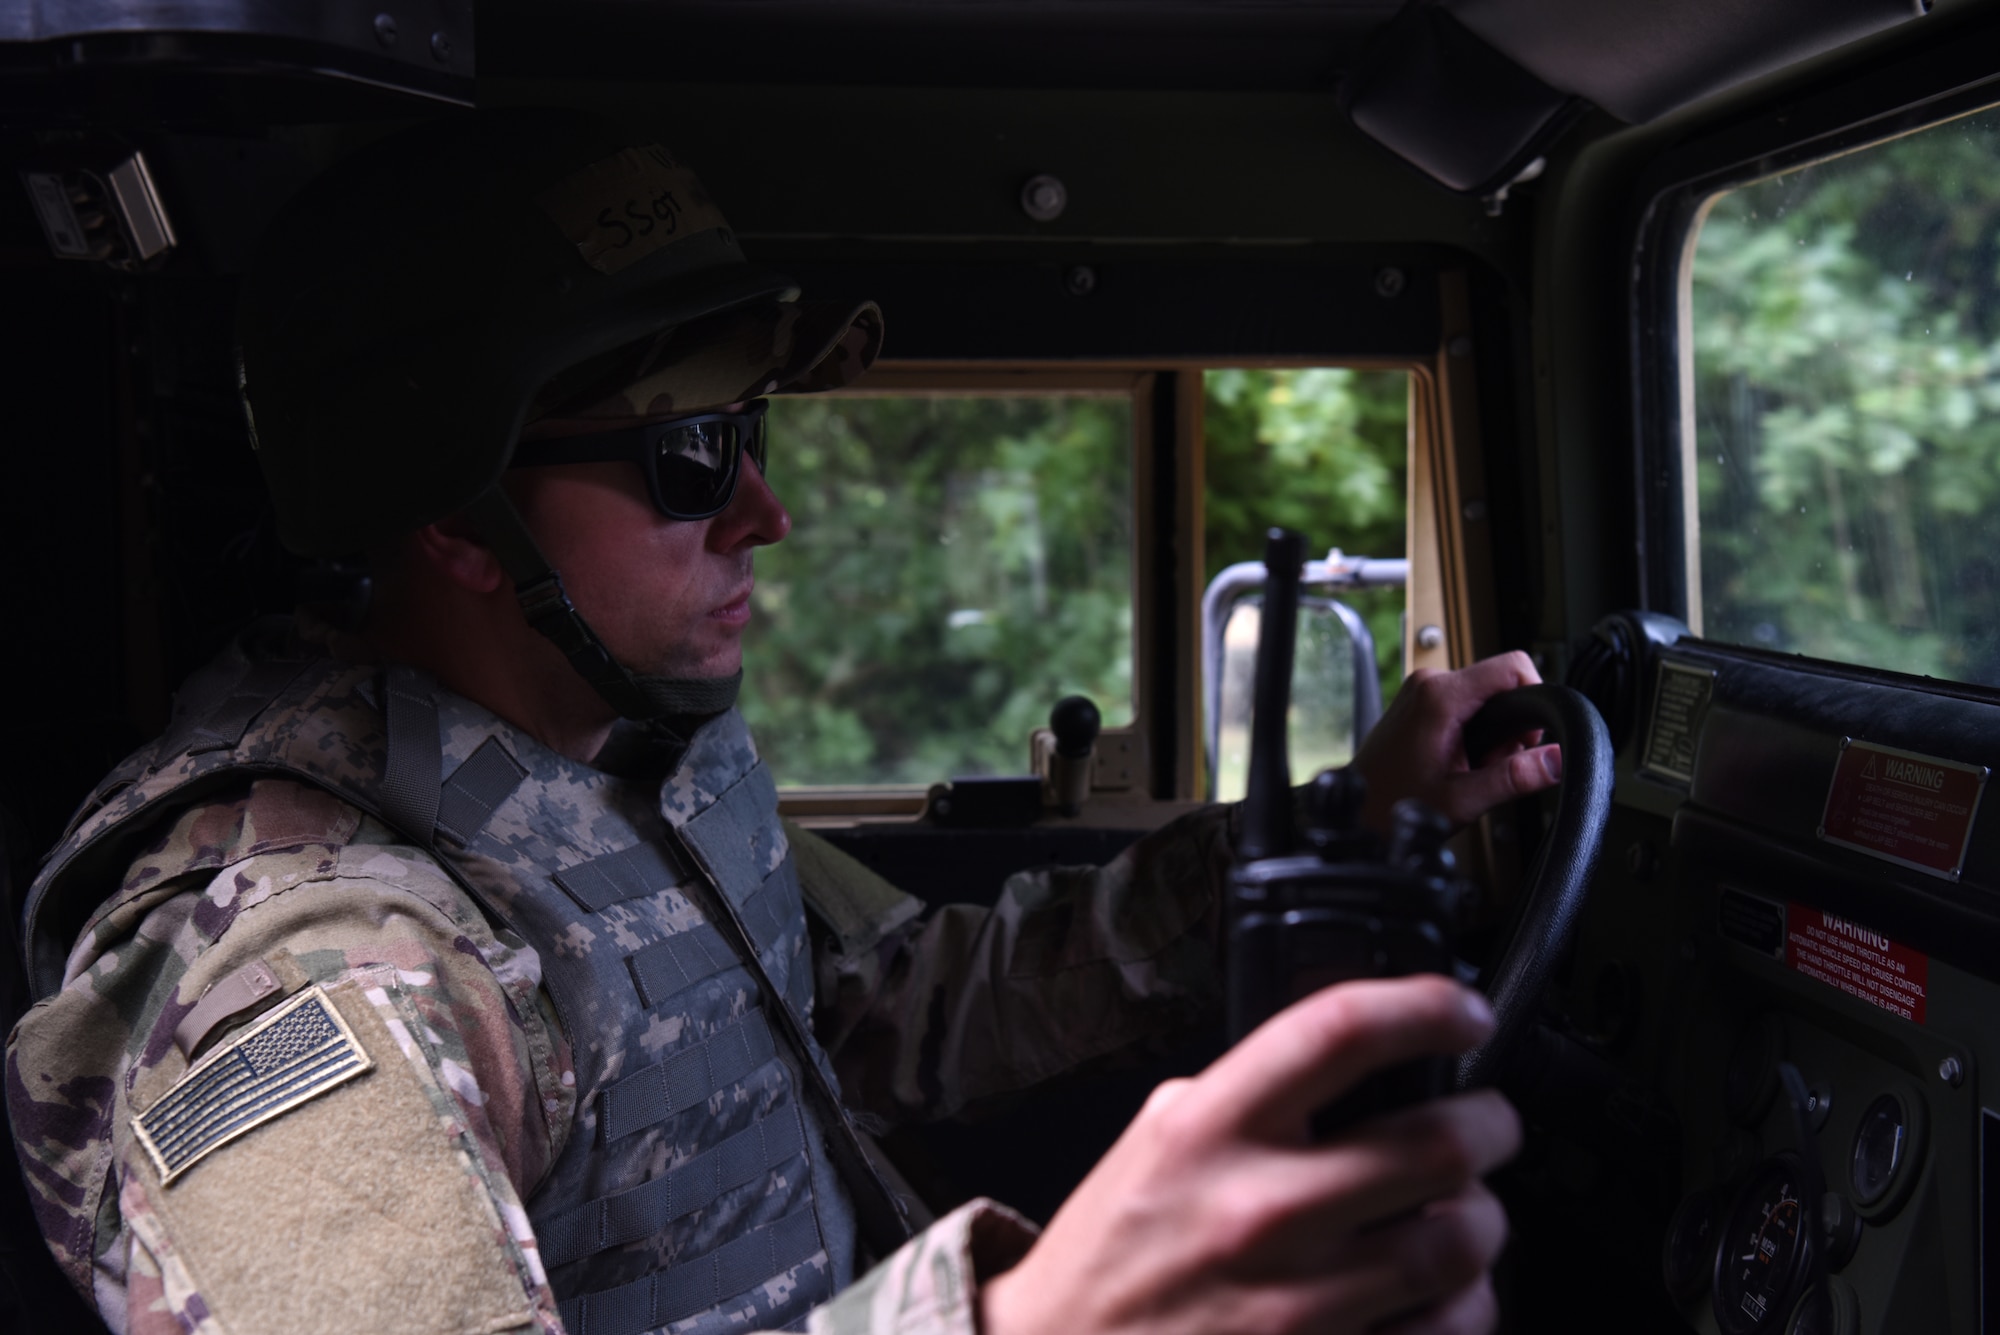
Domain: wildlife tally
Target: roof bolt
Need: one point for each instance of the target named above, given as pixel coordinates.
(1430, 637)
(1389, 282)
(440, 47)
(1951, 1072)
(385, 29)
(1044, 198)
(1079, 280)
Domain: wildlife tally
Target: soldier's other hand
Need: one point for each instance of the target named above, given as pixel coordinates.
(1215, 1211)
(1418, 749)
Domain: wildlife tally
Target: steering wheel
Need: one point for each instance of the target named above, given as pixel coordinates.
(1560, 874)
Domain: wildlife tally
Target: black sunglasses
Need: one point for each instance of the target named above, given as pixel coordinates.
(691, 463)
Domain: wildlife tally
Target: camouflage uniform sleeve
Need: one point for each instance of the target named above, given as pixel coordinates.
(393, 1200)
(931, 1286)
(1070, 965)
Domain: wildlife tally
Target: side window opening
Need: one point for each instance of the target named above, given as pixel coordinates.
(962, 559)
(1841, 407)
(967, 551)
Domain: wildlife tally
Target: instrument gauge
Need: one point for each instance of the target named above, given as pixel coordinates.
(1765, 1251)
(1886, 1156)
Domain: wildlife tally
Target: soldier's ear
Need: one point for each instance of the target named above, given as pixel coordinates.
(452, 549)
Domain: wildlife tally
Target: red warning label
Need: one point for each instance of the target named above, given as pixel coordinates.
(1910, 809)
(1858, 960)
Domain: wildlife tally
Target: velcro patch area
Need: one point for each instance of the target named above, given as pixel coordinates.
(624, 208)
(365, 1208)
(297, 1052)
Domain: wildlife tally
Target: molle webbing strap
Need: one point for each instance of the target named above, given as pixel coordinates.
(703, 1282)
(218, 724)
(676, 964)
(666, 968)
(643, 869)
(488, 777)
(687, 1078)
(410, 792)
(545, 603)
(412, 799)
(639, 1212)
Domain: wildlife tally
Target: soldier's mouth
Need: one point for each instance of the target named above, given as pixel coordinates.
(735, 612)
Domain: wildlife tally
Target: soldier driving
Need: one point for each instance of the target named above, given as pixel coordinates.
(459, 975)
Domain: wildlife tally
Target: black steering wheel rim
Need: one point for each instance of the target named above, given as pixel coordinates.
(1559, 876)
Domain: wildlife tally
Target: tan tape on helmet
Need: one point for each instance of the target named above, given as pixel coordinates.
(627, 206)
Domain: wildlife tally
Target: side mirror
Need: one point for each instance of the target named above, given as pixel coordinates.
(1336, 694)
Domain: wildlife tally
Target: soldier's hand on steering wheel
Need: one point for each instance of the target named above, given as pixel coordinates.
(1418, 749)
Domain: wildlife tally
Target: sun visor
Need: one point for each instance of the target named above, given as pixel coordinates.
(1472, 91)
(1443, 98)
(1639, 62)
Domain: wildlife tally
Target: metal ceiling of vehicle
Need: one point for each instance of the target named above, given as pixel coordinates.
(1193, 44)
(1469, 91)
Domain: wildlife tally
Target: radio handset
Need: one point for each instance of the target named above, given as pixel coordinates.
(1334, 901)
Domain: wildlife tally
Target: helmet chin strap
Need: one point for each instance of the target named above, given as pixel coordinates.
(639, 696)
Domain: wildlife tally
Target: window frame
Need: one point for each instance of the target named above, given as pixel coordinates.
(1673, 200)
(1449, 542)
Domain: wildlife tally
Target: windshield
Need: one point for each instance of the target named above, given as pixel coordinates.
(1845, 434)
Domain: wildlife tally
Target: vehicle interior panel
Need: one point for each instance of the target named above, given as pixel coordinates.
(1711, 867)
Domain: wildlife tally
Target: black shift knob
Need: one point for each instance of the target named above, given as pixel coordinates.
(1076, 723)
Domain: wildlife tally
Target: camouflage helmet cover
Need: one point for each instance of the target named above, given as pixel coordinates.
(412, 307)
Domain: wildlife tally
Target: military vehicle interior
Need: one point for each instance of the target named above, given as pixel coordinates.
(1681, 324)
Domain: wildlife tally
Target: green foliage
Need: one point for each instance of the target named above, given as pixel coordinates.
(1847, 373)
(1322, 450)
(957, 566)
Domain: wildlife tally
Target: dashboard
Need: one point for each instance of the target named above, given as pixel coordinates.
(1786, 964)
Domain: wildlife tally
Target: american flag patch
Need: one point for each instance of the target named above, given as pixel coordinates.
(298, 1051)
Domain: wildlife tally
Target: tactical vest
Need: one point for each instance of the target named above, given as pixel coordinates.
(672, 937)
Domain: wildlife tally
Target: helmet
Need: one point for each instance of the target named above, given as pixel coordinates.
(414, 309)
(410, 311)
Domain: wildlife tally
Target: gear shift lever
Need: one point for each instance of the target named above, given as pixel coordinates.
(1076, 723)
